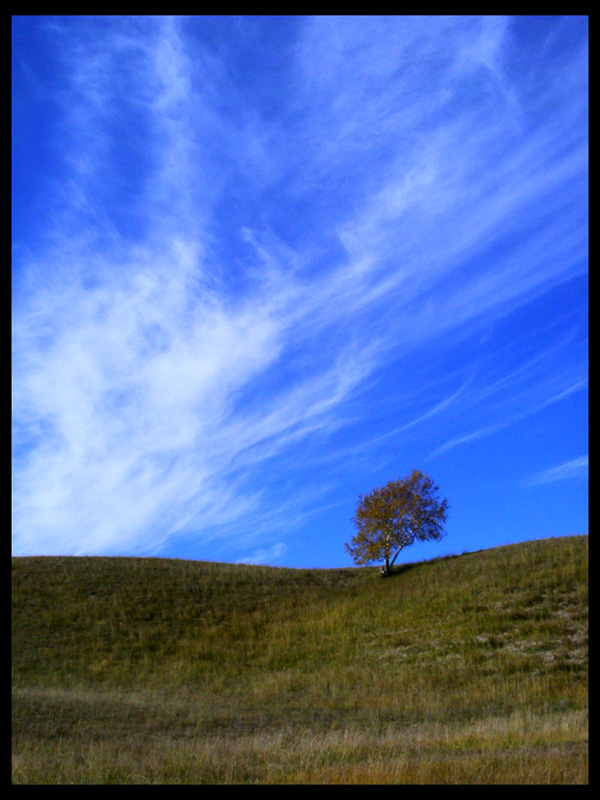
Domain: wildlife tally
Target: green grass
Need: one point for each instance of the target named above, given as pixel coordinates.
(467, 669)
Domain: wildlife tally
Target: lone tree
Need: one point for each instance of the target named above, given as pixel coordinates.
(394, 517)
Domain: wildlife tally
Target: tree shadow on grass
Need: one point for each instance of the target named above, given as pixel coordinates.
(396, 571)
(401, 569)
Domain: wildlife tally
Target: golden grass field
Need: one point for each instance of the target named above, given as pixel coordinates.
(464, 669)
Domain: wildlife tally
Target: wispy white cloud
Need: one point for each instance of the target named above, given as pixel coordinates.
(576, 469)
(265, 555)
(132, 395)
(529, 401)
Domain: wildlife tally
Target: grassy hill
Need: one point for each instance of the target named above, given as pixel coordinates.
(466, 669)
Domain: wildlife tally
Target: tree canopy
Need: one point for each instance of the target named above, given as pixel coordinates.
(394, 516)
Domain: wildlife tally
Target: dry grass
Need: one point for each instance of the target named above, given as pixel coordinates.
(521, 748)
(470, 669)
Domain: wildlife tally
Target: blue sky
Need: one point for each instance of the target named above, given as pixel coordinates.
(262, 265)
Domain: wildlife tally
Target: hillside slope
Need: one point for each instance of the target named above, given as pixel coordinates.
(464, 669)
